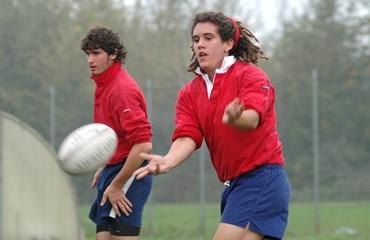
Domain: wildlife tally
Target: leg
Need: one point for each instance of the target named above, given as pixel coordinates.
(103, 236)
(256, 202)
(124, 238)
(231, 232)
(108, 236)
(115, 230)
(121, 231)
(102, 232)
(128, 227)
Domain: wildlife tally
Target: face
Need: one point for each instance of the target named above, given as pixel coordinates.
(209, 48)
(99, 60)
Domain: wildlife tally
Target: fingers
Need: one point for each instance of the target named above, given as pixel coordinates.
(233, 111)
(104, 199)
(236, 107)
(225, 117)
(124, 206)
(154, 166)
(96, 177)
(120, 204)
(151, 168)
(155, 169)
(94, 181)
(141, 172)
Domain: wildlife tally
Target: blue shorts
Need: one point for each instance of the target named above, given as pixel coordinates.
(258, 199)
(137, 193)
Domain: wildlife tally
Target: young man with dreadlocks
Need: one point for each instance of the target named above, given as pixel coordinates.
(230, 103)
(119, 102)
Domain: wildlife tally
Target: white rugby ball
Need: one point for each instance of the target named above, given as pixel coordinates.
(87, 148)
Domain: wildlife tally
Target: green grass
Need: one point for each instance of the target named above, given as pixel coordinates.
(182, 221)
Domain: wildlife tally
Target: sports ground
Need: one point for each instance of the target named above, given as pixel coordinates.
(338, 221)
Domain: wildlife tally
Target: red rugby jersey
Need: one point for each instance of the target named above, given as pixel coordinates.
(120, 103)
(233, 151)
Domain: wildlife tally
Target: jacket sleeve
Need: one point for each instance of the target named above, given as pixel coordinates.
(257, 92)
(129, 112)
(187, 124)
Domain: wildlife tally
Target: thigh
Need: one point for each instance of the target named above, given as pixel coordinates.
(103, 231)
(258, 200)
(103, 236)
(121, 231)
(99, 214)
(112, 229)
(124, 238)
(231, 232)
(138, 194)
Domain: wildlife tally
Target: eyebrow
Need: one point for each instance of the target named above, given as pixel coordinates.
(204, 34)
(93, 51)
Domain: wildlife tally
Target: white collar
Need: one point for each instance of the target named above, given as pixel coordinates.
(226, 64)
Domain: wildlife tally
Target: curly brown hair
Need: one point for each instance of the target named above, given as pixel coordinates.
(106, 39)
(246, 49)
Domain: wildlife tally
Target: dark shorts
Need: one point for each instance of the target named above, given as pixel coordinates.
(258, 199)
(137, 193)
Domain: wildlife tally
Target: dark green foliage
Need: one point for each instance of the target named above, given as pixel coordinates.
(326, 39)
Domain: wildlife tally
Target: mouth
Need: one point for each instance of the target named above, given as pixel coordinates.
(202, 55)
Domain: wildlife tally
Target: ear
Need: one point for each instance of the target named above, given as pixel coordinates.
(114, 55)
(228, 45)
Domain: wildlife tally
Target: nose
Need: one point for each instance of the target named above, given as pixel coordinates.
(200, 43)
(89, 58)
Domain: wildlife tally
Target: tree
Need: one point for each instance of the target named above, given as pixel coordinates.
(321, 39)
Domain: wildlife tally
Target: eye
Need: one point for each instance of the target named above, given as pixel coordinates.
(208, 37)
(195, 39)
(96, 53)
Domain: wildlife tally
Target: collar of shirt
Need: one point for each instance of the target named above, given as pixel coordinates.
(103, 78)
(226, 64)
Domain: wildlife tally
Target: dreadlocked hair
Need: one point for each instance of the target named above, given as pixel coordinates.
(246, 50)
(106, 39)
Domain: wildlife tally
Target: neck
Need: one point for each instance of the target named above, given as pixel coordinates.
(211, 75)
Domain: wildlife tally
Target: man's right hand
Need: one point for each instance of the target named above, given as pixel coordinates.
(157, 165)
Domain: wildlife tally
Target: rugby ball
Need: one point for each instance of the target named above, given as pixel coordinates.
(87, 148)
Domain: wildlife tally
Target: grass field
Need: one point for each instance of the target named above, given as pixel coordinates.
(338, 221)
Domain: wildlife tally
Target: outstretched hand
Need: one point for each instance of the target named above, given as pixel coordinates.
(157, 165)
(233, 111)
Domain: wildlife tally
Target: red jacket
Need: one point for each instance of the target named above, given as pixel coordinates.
(120, 104)
(233, 152)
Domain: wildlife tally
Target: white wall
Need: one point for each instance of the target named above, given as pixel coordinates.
(37, 200)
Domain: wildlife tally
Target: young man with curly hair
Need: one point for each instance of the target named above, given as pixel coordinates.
(119, 103)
